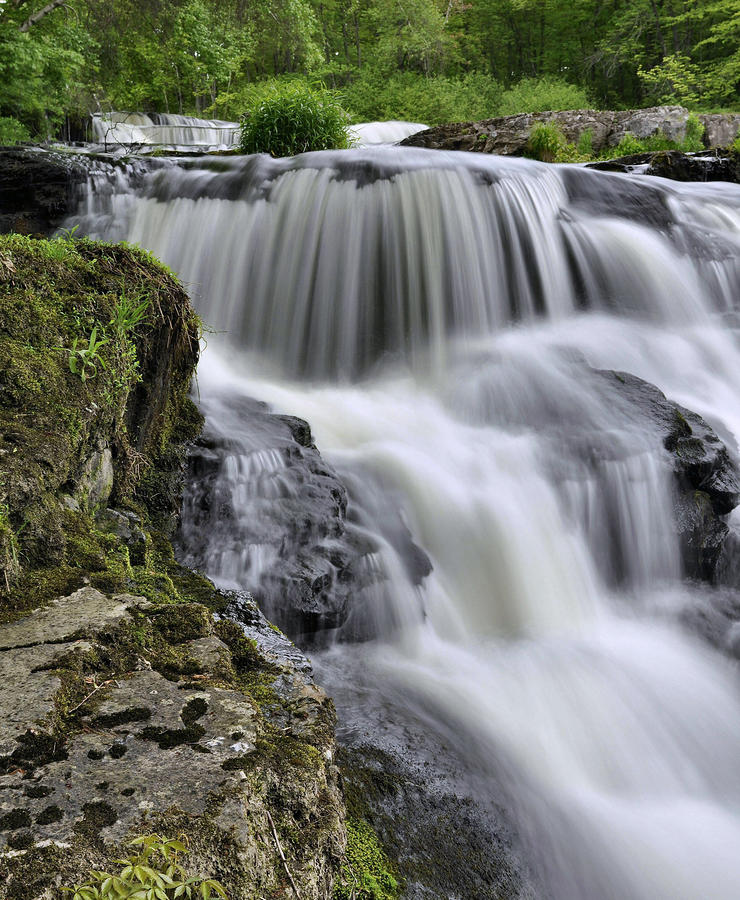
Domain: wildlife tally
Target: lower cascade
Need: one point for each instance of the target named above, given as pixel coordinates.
(520, 379)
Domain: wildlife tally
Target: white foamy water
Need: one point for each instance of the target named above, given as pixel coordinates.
(438, 318)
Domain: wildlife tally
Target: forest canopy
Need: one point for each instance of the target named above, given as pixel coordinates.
(424, 60)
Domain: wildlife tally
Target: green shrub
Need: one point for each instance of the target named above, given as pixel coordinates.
(586, 143)
(294, 120)
(12, 131)
(693, 142)
(546, 142)
(542, 94)
(628, 146)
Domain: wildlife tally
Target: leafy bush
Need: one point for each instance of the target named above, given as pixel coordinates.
(541, 94)
(416, 98)
(295, 120)
(154, 873)
(546, 142)
(693, 142)
(12, 131)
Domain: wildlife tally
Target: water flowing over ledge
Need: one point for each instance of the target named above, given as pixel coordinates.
(443, 322)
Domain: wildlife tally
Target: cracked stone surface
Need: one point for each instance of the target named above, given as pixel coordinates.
(28, 691)
(67, 617)
(160, 750)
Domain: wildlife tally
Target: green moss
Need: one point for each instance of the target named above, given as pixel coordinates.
(133, 401)
(367, 873)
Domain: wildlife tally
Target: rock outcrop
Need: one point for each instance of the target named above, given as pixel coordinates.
(37, 189)
(508, 135)
(294, 508)
(706, 478)
(121, 717)
(131, 704)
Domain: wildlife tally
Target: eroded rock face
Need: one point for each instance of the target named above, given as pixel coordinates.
(190, 727)
(508, 135)
(263, 509)
(706, 477)
(37, 189)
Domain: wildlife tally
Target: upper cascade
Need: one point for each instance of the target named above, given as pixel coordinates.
(329, 262)
(170, 130)
(164, 130)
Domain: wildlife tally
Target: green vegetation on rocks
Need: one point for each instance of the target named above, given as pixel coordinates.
(121, 682)
(94, 412)
(367, 873)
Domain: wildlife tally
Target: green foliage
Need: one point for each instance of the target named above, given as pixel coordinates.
(541, 95)
(366, 873)
(693, 142)
(430, 61)
(413, 97)
(84, 360)
(546, 142)
(674, 80)
(586, 143)
(12, 131)
(129, 311)
(296, 120)
(628, 146)
(154, 873)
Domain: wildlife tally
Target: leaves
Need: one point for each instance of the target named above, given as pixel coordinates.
(153, 874)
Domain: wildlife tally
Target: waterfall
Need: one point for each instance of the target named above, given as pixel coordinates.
(509, 558)
(187, 132)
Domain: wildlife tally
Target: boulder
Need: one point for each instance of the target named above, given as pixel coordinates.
(130, 729)
(706, 477)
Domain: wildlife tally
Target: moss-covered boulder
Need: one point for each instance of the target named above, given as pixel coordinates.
(98, 344)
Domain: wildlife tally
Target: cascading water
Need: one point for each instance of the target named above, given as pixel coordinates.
(187, 132)
(441, 321)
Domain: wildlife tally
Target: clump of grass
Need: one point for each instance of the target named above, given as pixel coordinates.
(295, 119)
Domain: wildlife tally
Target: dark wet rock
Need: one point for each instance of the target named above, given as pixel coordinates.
(37, 189)
(706, 477)
(284, 518)
(695, 166)
(617, 197)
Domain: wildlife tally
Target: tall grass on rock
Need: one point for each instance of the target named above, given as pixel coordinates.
(295, 119)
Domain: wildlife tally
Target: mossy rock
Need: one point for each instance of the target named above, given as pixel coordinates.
(94, 412)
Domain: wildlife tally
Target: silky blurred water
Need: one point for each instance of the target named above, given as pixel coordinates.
(438, 318)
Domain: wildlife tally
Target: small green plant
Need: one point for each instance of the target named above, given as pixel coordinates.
(84, 361)
(128, 312)
(629, 145)
(296, 119)
(154, 873)
(546, 142)
(735, 147)
(12, 131)
(693, 142)
(586, 143)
